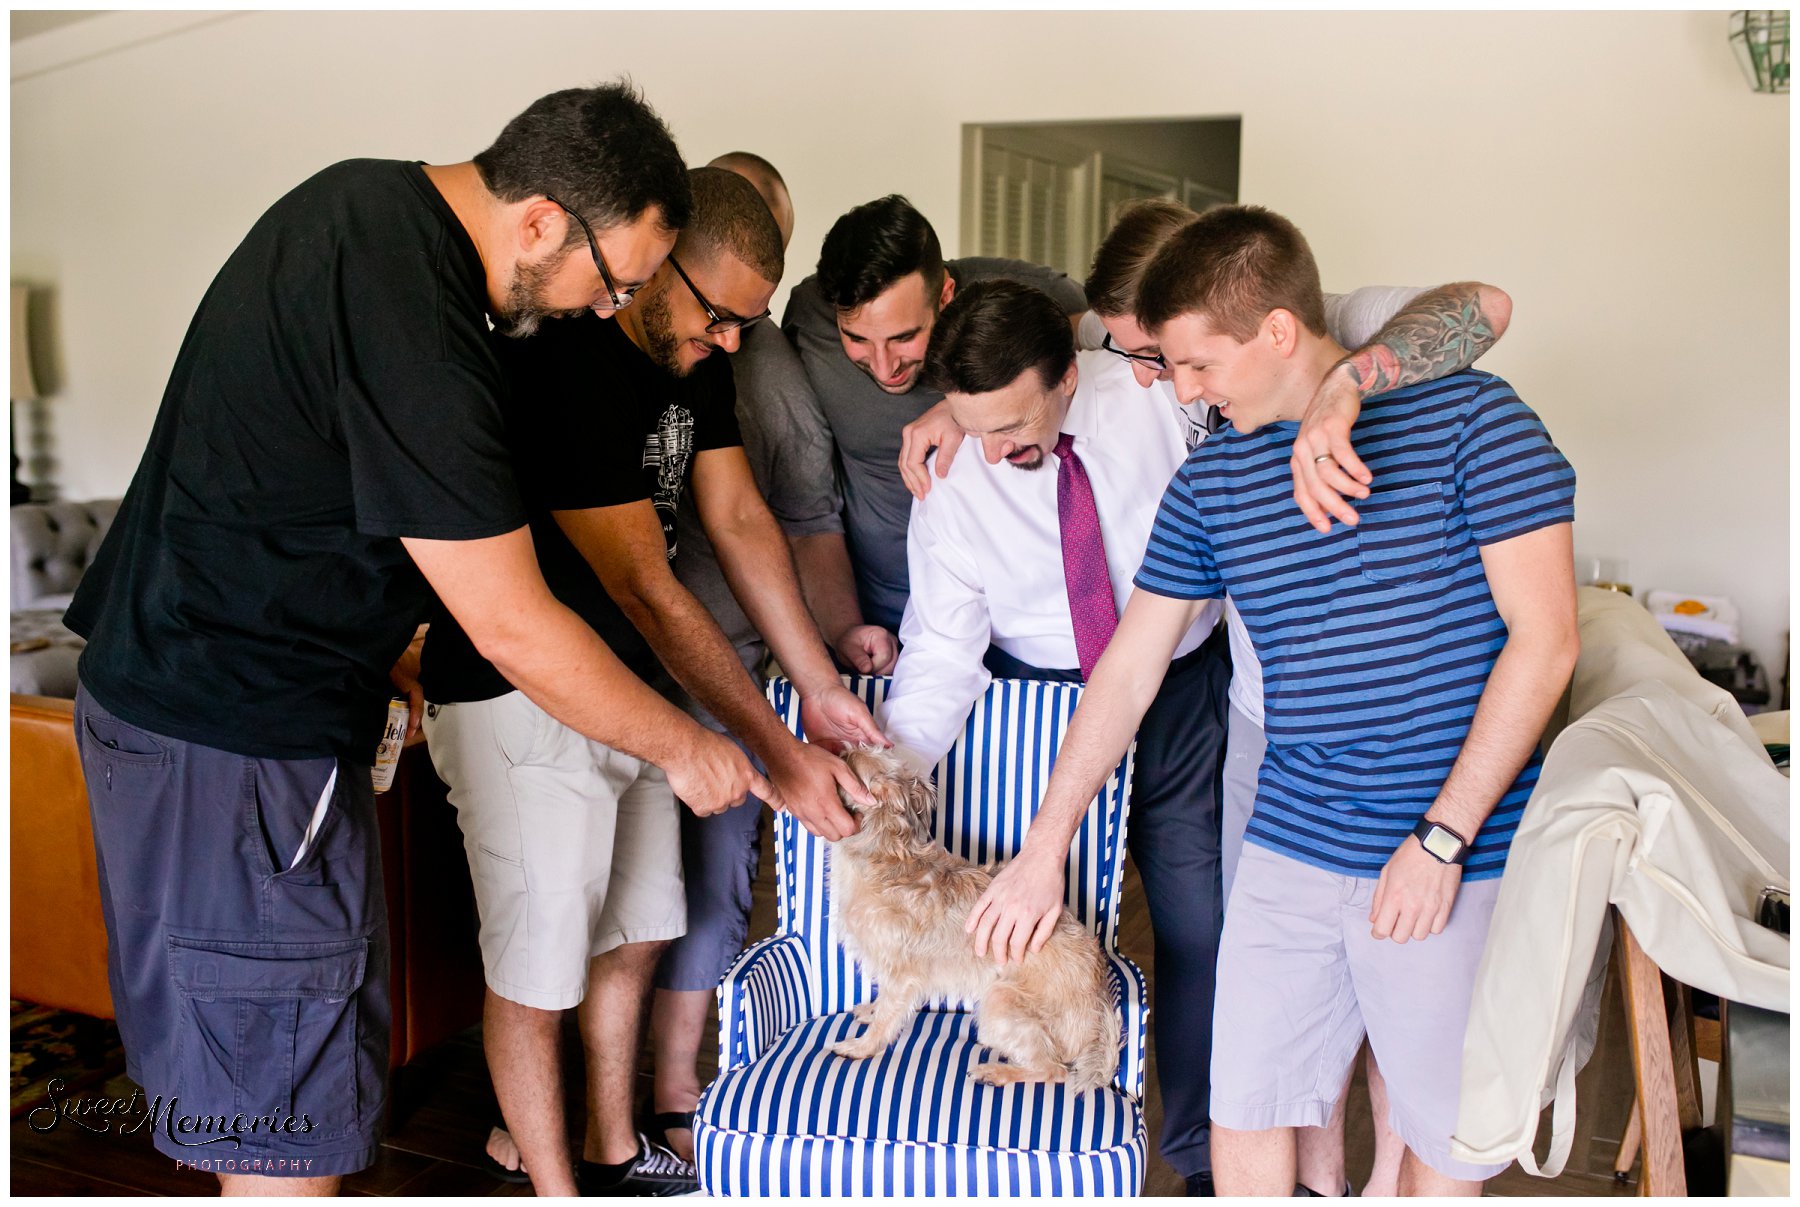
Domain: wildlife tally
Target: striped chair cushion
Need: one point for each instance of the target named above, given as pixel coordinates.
(801, 1121)
(739, 1165)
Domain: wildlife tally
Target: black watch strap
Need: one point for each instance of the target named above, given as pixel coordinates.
(1441, 842)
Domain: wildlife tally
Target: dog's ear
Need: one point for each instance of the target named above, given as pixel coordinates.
(920, 801)
(868, 764)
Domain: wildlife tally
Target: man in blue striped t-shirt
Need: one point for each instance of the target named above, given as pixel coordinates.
(1410, 664)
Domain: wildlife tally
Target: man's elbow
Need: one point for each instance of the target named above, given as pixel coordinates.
(1559, 645)
(1570, 651)
(643, 603)
(1496, 308)
(506, 638)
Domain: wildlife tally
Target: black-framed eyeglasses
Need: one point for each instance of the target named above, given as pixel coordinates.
(1152, 359)
(717, 324)
(618, 298)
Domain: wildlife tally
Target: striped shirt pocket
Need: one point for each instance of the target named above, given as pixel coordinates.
(1401, 533)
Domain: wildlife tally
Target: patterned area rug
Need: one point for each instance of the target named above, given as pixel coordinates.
(49, 1043)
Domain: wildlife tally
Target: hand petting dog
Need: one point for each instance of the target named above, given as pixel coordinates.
(806, 778)
(1018, 912)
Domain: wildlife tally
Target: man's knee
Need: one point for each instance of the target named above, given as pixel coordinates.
(630, 958)
(241, 1185)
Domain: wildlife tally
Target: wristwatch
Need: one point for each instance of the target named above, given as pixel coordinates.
(1441, 842)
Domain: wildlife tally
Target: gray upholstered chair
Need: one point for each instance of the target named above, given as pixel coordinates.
(52, 546)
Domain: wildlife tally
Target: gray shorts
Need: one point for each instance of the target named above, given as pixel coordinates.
(247, 947)
(574, 847)
(718, 861)
(1301, 979)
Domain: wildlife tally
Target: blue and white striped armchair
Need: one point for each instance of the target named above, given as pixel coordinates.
(786, 1117)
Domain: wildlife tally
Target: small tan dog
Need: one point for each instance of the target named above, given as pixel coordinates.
(901, 901)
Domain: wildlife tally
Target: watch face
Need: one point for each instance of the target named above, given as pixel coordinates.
(1442, 844)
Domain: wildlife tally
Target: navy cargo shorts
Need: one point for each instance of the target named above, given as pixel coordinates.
(251, 987)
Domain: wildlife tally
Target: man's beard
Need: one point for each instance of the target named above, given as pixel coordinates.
(1030, 465)
(524, 298)
(659, 333)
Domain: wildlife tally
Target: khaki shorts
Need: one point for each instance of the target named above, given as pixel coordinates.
(1301, 979)
(574, 848)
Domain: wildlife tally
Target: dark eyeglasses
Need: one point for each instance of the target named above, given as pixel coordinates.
(1153, 359)
(618, 298)
(717, 324)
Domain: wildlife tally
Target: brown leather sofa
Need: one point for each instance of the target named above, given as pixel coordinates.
(59, 939)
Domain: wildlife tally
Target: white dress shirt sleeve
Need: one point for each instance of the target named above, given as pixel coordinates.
(1353, 318)
(944, 635)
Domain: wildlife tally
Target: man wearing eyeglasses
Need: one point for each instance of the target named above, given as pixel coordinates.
(328, 455)
(720, 853)
(575, 846)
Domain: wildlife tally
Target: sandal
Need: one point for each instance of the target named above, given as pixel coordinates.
(494, 1169)
(663, 1122)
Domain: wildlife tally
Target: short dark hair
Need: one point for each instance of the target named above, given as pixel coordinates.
(991, 332)
(1129, 247)
(874, 245)
(601, 151)
(1233, 264)
(730, 216)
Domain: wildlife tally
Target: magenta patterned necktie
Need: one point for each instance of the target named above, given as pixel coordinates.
(1091, 604)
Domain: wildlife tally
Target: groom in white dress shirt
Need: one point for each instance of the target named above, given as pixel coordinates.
(989, 597)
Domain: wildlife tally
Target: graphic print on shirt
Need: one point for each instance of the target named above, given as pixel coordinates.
(667, 451)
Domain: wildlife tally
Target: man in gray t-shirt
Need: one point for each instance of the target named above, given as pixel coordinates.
(861, 325)
(791, 461)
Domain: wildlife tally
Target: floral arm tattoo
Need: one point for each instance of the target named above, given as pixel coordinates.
(1442, 331)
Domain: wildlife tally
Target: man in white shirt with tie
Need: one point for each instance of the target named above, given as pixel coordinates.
(986, 545)
(991, 590)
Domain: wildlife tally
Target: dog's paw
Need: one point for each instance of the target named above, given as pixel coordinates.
(862, 1011)
(995, 1073)
(853, 1049)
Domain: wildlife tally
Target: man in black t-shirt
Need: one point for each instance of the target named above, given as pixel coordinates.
(330, 430)
(574, 845)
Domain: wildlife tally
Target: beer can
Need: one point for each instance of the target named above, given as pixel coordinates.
(393, 738)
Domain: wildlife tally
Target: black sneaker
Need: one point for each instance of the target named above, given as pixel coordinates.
(1200, 1185)
(656, 1173)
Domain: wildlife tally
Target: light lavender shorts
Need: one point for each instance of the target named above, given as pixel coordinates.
(1301, 978)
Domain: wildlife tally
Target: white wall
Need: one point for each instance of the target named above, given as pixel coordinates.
(1611, 170)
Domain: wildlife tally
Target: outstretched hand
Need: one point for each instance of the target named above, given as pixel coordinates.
(835, 717)
(714, 775)
(806, 783)
(1019, 910)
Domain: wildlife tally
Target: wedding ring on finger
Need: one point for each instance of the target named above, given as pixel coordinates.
(1322, 458)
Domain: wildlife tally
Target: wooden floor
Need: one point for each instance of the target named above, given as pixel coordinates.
(443, 1105)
